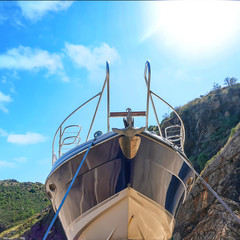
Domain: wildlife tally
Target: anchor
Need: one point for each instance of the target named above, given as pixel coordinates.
(129, 142)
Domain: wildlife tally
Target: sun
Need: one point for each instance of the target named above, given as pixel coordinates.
(194, 28)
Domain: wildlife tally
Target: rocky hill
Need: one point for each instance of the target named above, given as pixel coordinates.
(208, 122)
(39, 228)
(202, 217)
(35, 227)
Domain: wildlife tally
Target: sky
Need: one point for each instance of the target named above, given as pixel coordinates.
(53, 55)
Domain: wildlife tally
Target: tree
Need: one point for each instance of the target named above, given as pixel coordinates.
(202, 160)
(165, 115)
(216, 86)
(230, 81)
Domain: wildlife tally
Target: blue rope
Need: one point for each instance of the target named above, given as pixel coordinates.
(64, 198)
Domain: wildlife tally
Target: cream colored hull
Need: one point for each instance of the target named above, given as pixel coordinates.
(126, 215)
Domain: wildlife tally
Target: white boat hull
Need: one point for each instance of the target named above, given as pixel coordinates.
(114, 197)
(126, 215)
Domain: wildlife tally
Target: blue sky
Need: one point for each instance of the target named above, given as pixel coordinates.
(52, 59)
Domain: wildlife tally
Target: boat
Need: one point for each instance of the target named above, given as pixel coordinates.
(127, 183)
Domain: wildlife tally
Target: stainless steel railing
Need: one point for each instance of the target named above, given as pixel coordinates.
(150, 94)
(178, 138)
(60, 128)
(174, 134)
(69, 138)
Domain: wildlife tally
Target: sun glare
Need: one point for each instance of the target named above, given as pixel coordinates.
(195, 28)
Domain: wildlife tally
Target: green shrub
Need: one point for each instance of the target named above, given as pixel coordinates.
(233, 130)
(202, 160)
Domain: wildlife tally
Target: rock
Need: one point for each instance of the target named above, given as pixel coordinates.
(202, 217)
(208, 121)
(39, 229)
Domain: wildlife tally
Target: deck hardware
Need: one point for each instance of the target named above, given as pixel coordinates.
(97, 134)
(52, 187)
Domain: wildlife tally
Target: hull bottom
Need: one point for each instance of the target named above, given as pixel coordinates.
(126, 215)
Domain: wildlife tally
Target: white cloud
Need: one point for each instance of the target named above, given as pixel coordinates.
(26, 58)
(93, 59)
(7, 164)
(25, 139)
(3, 133)
(3, 100)
(18, 24)
(35, 10)
(20, 159)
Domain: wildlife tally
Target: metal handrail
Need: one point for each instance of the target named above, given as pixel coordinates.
(147, 80)
(99, 100)
(75, 138)
(60, 127)
(175, 137)
(147, 77)
(77, 133)
(180, 119)
(59, 130)
(150, 94)
(70, 137)
(173, 131)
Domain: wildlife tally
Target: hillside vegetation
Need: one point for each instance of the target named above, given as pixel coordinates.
(208, 122)
(19, 201)
(35, 227)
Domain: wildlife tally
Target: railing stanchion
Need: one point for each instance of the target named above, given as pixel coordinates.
(108, 97)
(147, 70)
(99, 100)
(150, 95)
(60, 141)
(182, 125)
(58, 130)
